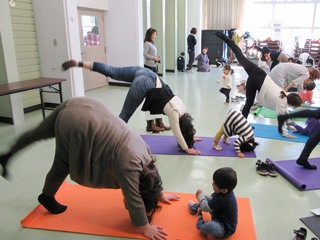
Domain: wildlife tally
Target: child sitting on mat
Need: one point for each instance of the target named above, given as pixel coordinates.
(222, 206)
(236, 124)
(312, 125)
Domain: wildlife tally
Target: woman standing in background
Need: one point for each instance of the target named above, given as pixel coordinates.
(150, 50)
(192, 41)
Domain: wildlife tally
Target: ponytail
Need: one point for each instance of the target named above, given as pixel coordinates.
(283, 94)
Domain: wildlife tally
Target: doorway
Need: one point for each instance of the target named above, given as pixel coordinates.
(93, 45)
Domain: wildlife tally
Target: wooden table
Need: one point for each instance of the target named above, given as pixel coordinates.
(38, 83)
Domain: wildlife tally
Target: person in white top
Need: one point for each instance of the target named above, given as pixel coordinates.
(269, 94)
(226, 82)
(289, 75)
(306, 60)
(159, 98)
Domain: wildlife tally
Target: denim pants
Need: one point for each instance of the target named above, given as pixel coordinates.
(142, 80)
(213, 227)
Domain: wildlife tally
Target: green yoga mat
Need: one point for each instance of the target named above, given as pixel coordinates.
(268, 113)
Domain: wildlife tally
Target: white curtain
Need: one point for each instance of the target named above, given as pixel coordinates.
(223, 14)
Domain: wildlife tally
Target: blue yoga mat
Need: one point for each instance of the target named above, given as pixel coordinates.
(270, 131)
(168, 145)
(302, 178)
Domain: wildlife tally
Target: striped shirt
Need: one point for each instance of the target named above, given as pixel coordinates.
(237, 124)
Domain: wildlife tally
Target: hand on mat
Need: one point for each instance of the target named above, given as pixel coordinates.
(289, 136)
(167, 198)
(153, 232)
(196, 139)
(240, 154)
(192, 151)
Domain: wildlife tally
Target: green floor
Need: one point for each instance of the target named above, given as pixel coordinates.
(276, 204)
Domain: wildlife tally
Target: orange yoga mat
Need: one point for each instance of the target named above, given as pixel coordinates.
(102, 212)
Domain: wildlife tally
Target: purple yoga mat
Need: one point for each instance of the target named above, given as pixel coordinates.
(302, 178)
(168, 145)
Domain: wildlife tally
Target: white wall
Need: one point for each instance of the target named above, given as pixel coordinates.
(194, 11)
(58, 20)
(124, 33)
(96, 4)
(11, 105)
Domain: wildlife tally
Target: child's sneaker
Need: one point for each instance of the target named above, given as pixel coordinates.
(301, 234)
(271, 170)
(217, 147)
(193, 207)
(226, 141)
(261, 168)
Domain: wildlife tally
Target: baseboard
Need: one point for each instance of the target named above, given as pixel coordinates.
(32, 108)
(170, 70)
(48, 105)
(6, 120)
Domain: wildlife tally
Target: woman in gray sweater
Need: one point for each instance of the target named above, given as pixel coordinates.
(150, 52)
(97, 150)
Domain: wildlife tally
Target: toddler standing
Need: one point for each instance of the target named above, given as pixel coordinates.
(226, 82)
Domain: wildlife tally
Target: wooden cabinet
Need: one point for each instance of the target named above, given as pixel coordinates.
(275, 46)
(214, 44)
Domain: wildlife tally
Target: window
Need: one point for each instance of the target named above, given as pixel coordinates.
(285, 20)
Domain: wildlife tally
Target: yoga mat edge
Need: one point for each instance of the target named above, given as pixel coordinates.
(298, 184)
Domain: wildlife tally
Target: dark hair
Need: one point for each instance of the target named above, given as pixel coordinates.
(225, 178)
(310, 62)
(95, 30)
(193, 30)
(148, 35)
(228, 67)
(248, 146)
(265, 50)
(293, 99)
(150, 189)
(187, 129)
(310, 85)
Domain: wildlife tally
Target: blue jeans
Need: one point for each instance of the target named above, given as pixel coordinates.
(142, 80)
(213, 227)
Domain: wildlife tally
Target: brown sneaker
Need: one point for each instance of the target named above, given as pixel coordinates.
(68, 64)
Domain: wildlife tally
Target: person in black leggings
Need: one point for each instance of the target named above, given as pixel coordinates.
(313, 140)
(270, 95)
